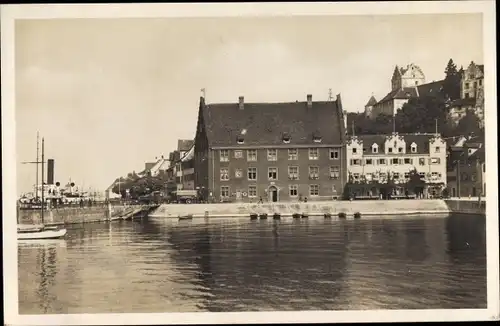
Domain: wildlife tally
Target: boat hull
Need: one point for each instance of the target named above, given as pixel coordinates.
(45, 234)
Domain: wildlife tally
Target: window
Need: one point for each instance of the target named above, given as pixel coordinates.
(369, 176)
(240, 140)
(272, 154)
(466, 85)
(224, 174)
(293, 172)
(382, 175)
(334, 190)
(293, 190)
(252, 173)
(480, 82)
(252, 155)
(375, 148)
(313, 154)
(389, 149)
(421, 161)
(224, 155)
(408, 161)
(407, 175)
(395, 175)
(422, 175)
(466, 95)
(238, 173)
(272, 173)
(224, 191)
(293, 154)
(434, 175)
(313, 172)
(334, 154)
(369, 161)
(382, 161)
(435, 160)
(334, 172)
(355, 161)
(355, 176)
(252, 191)
(313, 190)
(354, 150)
(473, 177)
(400, 149)
(394, 161)
(438, 149)
(238, 154)
(286, 139)
(413, 148)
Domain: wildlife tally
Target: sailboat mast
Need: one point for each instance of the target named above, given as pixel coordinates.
(36, 163)
(43, 159)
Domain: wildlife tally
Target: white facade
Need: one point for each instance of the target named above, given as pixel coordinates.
(396, 158)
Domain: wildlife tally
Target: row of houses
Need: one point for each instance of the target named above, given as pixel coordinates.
(410, 82)
(299, 150)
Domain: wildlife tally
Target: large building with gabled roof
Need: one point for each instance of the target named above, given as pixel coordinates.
(274, 151)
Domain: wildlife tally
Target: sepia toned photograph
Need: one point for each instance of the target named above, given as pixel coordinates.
(312, 165)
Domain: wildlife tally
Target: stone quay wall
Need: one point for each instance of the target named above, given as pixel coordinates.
(466, 206)
(365, 208)
(70, 215)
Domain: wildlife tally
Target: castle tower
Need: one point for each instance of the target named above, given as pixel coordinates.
(369, 106)
(410, 76)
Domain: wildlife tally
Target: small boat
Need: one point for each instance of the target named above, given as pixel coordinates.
(38, 232)
(187, 217)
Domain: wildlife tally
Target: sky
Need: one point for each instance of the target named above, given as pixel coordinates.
(109, 95)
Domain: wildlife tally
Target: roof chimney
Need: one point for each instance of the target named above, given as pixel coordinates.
(309, 101)
(241, 102)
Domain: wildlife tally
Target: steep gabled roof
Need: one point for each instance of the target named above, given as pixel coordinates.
(430, 89)
(371, 102)
(481, 67)
(266, 123)
(400, 93)
(184, 144)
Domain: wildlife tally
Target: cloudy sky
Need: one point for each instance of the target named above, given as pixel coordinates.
(110, 94)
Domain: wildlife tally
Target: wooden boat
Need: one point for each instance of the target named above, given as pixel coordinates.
(40, 231)
(187, 217)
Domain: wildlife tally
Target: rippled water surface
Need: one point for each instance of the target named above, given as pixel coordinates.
(162, 265)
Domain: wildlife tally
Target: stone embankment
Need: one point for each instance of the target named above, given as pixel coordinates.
(466, 206)
(365, 208)
(77, 215)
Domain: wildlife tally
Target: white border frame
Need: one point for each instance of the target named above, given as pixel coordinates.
(11, 12)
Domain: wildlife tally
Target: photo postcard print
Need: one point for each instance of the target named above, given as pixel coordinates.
(262, 163)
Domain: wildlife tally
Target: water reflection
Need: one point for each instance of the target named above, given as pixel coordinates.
(241, 265)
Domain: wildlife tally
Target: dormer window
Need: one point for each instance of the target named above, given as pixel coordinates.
(286, 138)
(240, 140)
(413, 148)
(374, 148)
(316, 137)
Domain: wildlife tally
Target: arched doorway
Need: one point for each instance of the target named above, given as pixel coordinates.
(272, 192)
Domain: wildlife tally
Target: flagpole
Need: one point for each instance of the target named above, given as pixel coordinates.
(43, 157)
(36, 164)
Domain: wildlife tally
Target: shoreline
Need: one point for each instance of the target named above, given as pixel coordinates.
(365, 208)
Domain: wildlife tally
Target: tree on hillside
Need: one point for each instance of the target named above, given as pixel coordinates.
(451, 85)
(470, 124)
(420, 114)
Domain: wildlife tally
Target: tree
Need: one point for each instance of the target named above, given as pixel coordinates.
(415, 182)
(451, 84)
(420, 114)
(470, 124)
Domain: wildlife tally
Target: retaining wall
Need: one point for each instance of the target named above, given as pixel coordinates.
(69, 215)
(465, 206)
(366, 208)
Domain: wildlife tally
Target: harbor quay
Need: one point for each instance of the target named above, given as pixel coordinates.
(77, 215)
(325, 208)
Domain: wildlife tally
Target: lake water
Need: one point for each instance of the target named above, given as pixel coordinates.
(160, 265)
